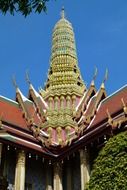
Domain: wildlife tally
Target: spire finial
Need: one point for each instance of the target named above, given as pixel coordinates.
(63, 12)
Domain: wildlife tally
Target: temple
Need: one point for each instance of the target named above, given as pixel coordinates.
(49, 139)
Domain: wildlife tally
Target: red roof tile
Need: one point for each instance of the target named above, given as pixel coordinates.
(113, 103)
(10, 112)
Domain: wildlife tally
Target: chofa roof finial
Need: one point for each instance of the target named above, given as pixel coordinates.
(27, 78)
(105, 79)
(14, 82)
(106, 76)
(95, 73)
(94, 76)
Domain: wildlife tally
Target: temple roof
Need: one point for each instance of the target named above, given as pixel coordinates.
(113, 104)
(65, 115)
(19, 131)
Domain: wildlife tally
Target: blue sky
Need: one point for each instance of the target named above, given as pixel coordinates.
(101, 39)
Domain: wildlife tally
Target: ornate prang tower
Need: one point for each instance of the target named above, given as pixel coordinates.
(48, 140)
(64, 86)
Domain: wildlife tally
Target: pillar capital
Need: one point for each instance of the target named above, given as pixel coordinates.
(21, 158)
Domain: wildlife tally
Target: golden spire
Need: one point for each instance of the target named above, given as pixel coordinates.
(63, 40)
(64, 74)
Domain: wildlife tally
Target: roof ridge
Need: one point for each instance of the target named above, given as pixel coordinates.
(114, 93)
(9, 100)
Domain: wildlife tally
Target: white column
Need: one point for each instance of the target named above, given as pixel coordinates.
(57, 177)
(20, 171)
(85, 168)
(49, 178)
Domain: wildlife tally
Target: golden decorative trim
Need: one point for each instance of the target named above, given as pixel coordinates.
(116, 122)
(124, 106)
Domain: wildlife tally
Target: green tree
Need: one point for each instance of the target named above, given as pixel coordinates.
(110, 168)
(23, 6)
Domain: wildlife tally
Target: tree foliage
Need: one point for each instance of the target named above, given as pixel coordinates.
(23, 6)
(110, 168)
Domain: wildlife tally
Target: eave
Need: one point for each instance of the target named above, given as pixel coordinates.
(112, 122)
